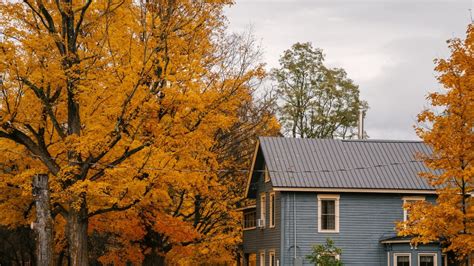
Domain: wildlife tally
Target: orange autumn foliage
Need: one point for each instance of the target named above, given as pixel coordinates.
(451, 137)
(131, 108)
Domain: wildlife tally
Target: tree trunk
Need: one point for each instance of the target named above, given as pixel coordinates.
(77, 236)
(43, 226)
(154, 259)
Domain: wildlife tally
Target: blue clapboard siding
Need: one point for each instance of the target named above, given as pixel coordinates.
(364, 219)
(266, 239)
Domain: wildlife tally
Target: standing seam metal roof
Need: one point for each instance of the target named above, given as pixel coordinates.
(360, 164)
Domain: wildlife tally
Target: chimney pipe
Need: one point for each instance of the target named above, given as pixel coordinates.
(360, 132)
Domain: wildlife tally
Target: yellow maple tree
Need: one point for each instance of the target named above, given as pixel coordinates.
(124, 105)
(449, 130)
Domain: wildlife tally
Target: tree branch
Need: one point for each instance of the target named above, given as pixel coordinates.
(123, 157)
(115, 207)
(21, 138)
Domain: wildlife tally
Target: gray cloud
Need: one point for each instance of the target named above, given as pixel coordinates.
(387, 47)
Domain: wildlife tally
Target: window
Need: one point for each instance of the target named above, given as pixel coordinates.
(252, 259)
(272, 209)
(410, 199)
(263, 209)
(444, 260)
(328, 213)
(266, 174)
(427, 259)
(402, 259)
(271, 258)
(249, 219)
(262, 258)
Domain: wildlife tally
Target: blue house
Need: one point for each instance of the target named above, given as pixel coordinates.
(351, 191)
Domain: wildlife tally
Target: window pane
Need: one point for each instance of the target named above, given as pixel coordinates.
(328, 206)
(328, 222)
(427, 260)
(403, 261)
(249, 219)
(328, 214)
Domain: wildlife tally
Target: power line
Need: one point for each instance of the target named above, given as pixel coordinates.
(229, 170)
(261, 171)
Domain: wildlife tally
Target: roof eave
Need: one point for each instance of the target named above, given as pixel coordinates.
(247, 208)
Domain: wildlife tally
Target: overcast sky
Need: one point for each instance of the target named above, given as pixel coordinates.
(387, 47)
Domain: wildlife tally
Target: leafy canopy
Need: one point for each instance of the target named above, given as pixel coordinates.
(316, 101)
(450, 134)
(131, 108)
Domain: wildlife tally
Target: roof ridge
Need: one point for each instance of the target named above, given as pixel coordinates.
(349, 140)
(383, 140)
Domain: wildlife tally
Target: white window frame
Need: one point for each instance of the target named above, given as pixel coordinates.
(395, 255)
(263, 208)
(266, 175)
(410, 198)
(435, 257)
(262, 258)
(334, 197)
(271, 212)
(270, 260)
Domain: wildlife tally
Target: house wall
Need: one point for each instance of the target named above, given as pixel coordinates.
(266, 239)
(364, 219)
(393, 249)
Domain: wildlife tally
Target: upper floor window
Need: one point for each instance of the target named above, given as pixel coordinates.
(409, 199)
(272, 209)
(263, 209)
(328, 213)
(250, 218)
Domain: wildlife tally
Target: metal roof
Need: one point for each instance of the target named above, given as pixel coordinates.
(359, 164)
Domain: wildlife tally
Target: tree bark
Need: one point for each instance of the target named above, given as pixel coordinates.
(43, 226)
(77, 236)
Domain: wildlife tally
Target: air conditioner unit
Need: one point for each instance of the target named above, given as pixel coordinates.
(260, 223)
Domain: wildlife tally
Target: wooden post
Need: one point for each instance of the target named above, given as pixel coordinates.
(43, 226)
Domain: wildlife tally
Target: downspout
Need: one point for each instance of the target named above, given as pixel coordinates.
(294, 221)
(283, 226)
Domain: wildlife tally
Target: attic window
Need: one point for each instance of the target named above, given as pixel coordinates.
(266, 174)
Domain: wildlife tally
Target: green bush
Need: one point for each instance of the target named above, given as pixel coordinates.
(325, 255)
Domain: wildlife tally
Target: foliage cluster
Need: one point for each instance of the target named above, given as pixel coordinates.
(316, 101)
(325, 254)
(142, 114)
(448, 128)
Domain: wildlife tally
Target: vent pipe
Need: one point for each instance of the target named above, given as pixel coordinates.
(360, 132)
